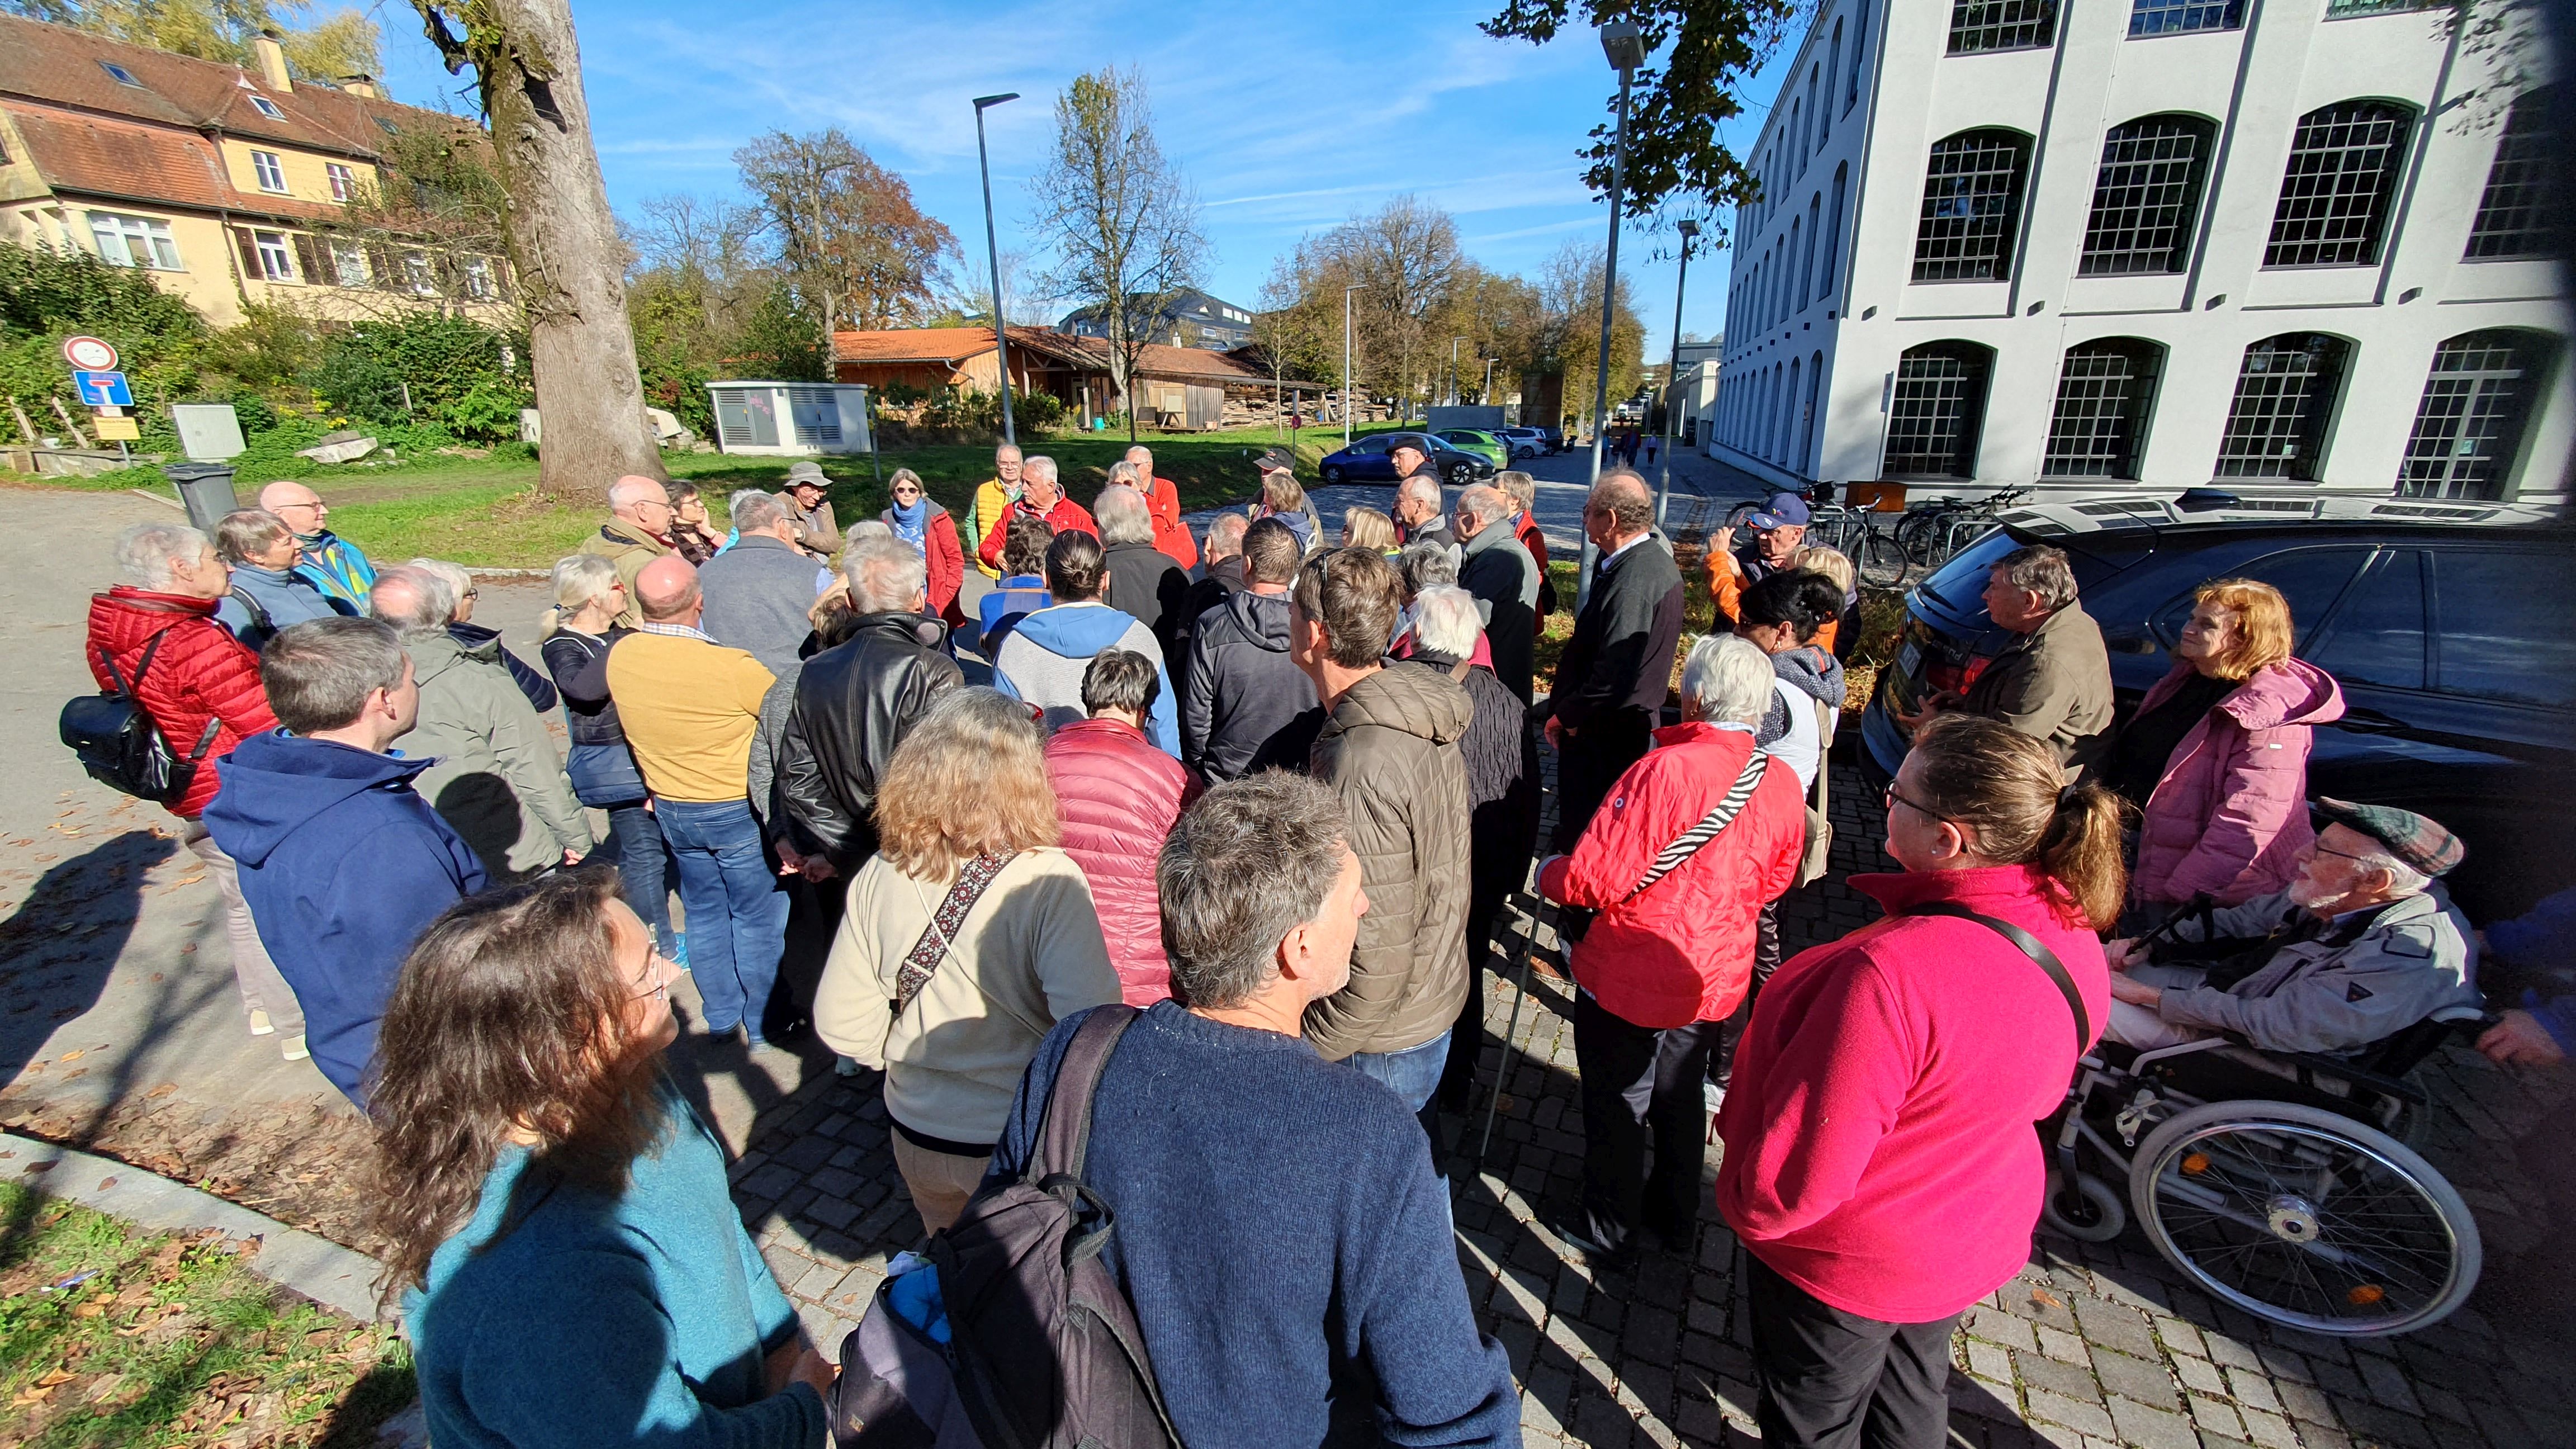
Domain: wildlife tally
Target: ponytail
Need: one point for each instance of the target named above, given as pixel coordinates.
(2080, 853)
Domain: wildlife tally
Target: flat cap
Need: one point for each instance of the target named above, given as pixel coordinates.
(2418, 840)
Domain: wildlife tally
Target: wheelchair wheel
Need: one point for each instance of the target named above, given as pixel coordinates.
(2092, 1213)
(2306, 1218)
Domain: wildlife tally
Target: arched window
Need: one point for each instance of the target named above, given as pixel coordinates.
(1788, 432)
(1833, 69)
(2468, 428)
(1807, 266)
(1937, 411)
(1806, 465)
(2146, 197)
(1789, 138)
(2181, 17)
(1977, 25)
(1815, 117)
(1792, 300)
(2513, 216)
(1834, 231)
(2343, 169)
(2285, 398)
(2106, 392)
(1860, 52)
(1971, 207)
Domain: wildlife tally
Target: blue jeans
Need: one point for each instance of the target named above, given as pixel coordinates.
(634, 846)
(1413, 1073)
(737, 913)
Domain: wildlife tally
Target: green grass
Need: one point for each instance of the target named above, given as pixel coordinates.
(487, 513)
(170, 1340)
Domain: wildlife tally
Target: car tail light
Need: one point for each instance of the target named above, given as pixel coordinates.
(1953, 678)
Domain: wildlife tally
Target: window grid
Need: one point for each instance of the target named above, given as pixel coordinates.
(276, 259)
(267, 107)
(2102, 397)
(1977, 25)
(2334, 197)
(2347, 9)
(344, 182)
(2469, 425)
(2512, 219)
(2284, 391)
(135, 241)
(2145, 197)
(272, 175)
(1971, 202)
(2183, 17)
(349, 262)
(1930, 414)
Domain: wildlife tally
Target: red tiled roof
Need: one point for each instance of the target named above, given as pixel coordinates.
(953, 345)
(99, 156)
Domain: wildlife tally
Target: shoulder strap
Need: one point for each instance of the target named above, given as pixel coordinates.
(1824, 749)
(258, 612)
(1065, 1137)
(922, 962)
(2031, 946)
(1687, 844)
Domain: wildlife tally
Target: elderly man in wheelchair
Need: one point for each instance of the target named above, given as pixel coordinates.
(2261, 1052)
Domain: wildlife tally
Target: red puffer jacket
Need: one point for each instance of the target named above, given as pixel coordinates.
(1119, 795)
(202, 673)
(1682, 951)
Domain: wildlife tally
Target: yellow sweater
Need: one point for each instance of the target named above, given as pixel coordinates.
(991, 502)
(690, 708)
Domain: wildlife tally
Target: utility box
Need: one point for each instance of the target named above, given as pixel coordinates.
(208, 432)
(790, 419)
(1482, 419)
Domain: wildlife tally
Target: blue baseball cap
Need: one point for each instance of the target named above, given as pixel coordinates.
(1784, 510)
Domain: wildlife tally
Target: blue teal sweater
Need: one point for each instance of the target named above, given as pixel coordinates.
(638, 1319)
(1277, 1222)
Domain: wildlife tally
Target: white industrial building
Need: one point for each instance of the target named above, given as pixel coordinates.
(2283, 246)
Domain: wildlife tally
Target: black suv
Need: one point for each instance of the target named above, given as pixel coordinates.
(2448, 626)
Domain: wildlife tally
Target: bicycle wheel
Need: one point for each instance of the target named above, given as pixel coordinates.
(1916, 537)
(2306, 1218)
(1877, 558)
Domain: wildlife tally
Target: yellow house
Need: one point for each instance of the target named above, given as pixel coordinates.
(230, 186)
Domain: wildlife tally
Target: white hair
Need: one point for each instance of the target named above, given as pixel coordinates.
(1727, 680)
(1122, 515)
(1039, 467)
(413, 600)
(867, 528)
(147, 551)
(1444, 620)
(1125, 472)
(752, 510)
(1420, 490)
(1488, 503)
(453, 575)
(885, 576)
(2403, 879)
(625, 493)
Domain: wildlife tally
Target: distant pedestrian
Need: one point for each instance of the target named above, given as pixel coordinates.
(1144, 580)
(923, 526)
(993, 499)
(1042, 497)
(556, 1214)
(690, 707)
(1163, 498)
(1043, 660)
(331, 563)
(342, 862)
(532, 681)
(1612, 677)
(807, 491)
(968, 936)
(601, 765)
(1245, 687)
(202, 691)
(493, 771)
(266, 593)
(637, 532)
(1023, 587)
(1118, 796)
(760, 591)
(693, 534)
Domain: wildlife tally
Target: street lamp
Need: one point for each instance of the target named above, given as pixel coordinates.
(1625, 46)
(1453, 370)
(1346, 364)
(993, 257)
(1673, 375)
(1487, 396)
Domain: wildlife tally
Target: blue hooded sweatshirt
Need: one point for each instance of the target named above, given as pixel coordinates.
(342, 865)
(1044, 658)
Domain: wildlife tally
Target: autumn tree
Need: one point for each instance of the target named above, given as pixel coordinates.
(1569, 294)
(1122, 224)
(562, 236)
(845, 231)
(340, 44)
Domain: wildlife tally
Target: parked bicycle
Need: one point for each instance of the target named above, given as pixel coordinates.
(1931, 532)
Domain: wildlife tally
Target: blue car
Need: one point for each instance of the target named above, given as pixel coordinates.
(1366, 461)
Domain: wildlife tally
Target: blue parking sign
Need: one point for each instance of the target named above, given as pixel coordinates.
(103, 389)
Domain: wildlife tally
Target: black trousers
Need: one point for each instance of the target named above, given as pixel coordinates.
(1836, 1380)
(1640, 1083)
(1591, 762)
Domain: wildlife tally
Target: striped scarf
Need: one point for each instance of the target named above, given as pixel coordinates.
(336, 567)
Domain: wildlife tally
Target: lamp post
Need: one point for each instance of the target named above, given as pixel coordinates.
(1625, 46)
(1453, 370)
(1346, 365)
(1673, 375)
(993, 257)
(1487, 396)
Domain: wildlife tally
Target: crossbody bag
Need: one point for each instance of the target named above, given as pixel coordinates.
(940, 934)
(2031, 946)
(1688, 843)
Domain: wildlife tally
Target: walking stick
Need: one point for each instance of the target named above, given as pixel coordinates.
(1511, 1032)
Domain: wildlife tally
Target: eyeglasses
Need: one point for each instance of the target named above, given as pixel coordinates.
(662, 969)
(1892, 799)
(2321, 849)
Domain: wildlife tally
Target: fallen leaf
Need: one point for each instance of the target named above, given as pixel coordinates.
(2046, 1299)
(70, 1056)
(56, 1376)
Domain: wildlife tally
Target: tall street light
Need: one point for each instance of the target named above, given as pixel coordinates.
(1346, 364)
(1453, 370)
(1486, 398)
(1673, 375)
(993, 257)
(1625, 46)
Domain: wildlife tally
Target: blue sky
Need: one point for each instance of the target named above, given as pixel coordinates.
(1286, 118)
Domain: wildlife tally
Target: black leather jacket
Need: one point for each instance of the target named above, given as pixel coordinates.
(853, 704)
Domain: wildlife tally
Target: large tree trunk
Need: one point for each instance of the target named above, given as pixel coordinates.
(563, 238)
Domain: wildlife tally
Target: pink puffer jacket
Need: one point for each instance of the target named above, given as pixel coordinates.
(2230, 816)
(1119, 795)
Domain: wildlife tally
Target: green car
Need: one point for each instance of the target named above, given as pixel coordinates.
(1484, 445)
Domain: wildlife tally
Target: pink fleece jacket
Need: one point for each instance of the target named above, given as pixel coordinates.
(2230, 814)
(1879, 1151)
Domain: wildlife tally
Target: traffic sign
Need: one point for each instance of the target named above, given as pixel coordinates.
(90, 354)
(103, 389)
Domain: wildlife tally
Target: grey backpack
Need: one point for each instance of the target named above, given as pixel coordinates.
(1041, 1348)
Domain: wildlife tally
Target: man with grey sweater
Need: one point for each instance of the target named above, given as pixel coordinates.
(760, 591)
(1044, 659)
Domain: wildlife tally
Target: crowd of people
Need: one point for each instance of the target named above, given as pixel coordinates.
(1273, 795)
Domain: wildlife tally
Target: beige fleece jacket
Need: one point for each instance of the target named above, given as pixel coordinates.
(1029, 954)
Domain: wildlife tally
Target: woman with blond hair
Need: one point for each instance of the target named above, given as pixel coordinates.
(969, 935)
(1370, 529)
(2216, 757)
(1839, 635)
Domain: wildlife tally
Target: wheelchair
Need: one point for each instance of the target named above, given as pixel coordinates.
(2276, 1182)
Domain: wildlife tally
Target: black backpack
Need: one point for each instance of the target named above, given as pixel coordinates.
(119, 744)
(1043, 1350)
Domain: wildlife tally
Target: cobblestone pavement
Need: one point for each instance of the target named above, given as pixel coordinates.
(2090, 1347)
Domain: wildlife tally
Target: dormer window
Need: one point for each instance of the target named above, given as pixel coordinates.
(121, 75)
(267, 107)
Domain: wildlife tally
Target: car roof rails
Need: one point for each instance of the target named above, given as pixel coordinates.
(2206, 500)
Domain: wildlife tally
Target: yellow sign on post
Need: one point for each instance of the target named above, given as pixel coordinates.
(121, 430)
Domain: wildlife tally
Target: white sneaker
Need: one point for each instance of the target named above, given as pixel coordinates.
(293, 1048)
(260, 1025)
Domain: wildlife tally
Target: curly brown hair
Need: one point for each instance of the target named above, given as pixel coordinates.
(495, 1034)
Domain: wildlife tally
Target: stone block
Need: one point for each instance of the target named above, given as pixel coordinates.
(2145, 1380)
(2216, 1416)
(2084, 1418)
(2196, 1374)
(2065, 1380)
(2152, 1428)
